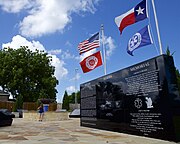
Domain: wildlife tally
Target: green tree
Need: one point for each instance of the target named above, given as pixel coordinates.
(27, 74)
(78, 97)
(72, 97)
(67, 99)
(168, 52)
(65, 104)
(178, 79)
(177, 71)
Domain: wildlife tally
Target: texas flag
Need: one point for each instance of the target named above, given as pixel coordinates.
(138, 13)
(91, 62)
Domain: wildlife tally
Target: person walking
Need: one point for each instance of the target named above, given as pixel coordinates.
(41, 112)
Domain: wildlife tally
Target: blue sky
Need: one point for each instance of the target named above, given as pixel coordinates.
(57, 26)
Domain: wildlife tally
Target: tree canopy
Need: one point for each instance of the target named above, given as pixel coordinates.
(178, 79)
(65, 104)
(67, 99)
(27, 75)
(168, 52)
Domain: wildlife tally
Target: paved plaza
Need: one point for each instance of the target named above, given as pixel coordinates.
(65, 132)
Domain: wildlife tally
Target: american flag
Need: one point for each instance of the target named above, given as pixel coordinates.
(87, 45)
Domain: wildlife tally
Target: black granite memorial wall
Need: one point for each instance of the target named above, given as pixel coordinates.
(142, 99)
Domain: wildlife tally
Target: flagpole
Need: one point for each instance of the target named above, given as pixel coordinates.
(157, 28)
(103, 48)
(75, 97)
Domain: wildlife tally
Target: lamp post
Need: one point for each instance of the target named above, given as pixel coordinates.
(75, 100)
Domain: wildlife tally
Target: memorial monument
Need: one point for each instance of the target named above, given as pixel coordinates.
(142, 100)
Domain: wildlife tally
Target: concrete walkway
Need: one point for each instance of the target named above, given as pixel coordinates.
(65, 132)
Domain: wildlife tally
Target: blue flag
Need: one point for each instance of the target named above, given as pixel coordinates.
(139, 39)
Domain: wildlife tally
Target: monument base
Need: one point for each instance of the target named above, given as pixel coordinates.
(142, 99)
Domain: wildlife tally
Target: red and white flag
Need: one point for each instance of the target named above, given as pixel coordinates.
(91, 62)
(136, 14)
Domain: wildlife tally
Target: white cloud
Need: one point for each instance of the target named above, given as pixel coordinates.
(46, 17)
(64, 54)
(75, 78)
(60, 70)
(17, 41)
(15, 6)
(67, 55)
(70, 89)
(55, 52)
(109, 45)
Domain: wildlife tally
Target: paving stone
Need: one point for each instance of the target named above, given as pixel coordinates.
(65, 132)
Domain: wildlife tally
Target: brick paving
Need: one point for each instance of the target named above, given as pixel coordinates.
(65, 132)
